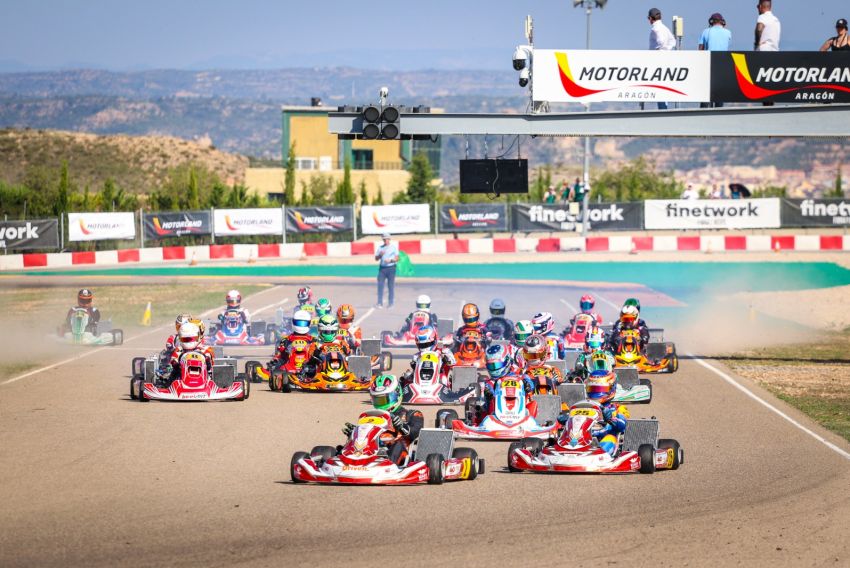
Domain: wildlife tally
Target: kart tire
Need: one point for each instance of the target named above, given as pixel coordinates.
(444, 419)
(648, 383)
(295, 458)
(270, 337)
(511, 449)
(435, 463)
(137, 367)
(246, 388)
(275, 380)
(534, 445)
(472, 455)
(470, 408)
(142, 397)
(673, 364)
(647, 458)
(386, 361)
(132, 394)
(321, 454)
(117, 337)
(678, 452)
(285, 385)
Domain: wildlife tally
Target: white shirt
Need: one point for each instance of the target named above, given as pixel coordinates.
(771, 32)
(661, 38)
(690, 193)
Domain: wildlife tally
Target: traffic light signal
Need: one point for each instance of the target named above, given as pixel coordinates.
(381, 123)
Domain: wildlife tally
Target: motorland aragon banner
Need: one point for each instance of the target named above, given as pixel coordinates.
(395, 219)
(235, 222)
(101, 226)
(318, 219)
(712, 214)
(163, 225)
(780, 76)
(570, 76)
(529, 217)
(30, 234)
(474, 218)
(815, 213)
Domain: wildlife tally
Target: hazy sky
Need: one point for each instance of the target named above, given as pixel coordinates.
(143, 34)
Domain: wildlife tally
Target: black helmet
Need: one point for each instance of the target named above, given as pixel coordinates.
(84, 298)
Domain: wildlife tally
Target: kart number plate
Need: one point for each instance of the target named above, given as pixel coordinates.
(582, 412)
(510, 384)
(429, 358)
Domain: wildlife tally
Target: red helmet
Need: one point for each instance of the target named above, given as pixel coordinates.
(234, 299)
(586, 303)
(345, 314)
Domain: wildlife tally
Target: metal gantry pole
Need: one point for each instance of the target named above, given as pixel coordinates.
(586, 176)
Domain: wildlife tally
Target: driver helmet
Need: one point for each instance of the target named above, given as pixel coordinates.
(385, 393)
(200, 325)
(426, 338)
(586, 303)
(84, 298)
(522, 329)
(181, 319)
(470, 314)
(599, 386)
(233, 299)
(323, 307)
(345, 314)
(543, 323)
(498, 361)
(536, 350)
(301, 322)
(423, 302)
(305, 295)
(190, 336)
(629, 315)
(594, 339)
(497, 307)
(632, 302)
(328, 328)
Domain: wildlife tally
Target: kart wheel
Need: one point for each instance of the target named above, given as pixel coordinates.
(295, 458)
(386, 361)
(678, 452)
(271, 337)
(470, 408)
(321, 454)
(673, 364)
(647, 383)
(435, 463)
(246, 388)
(472, 455)
(285, 386)
(533, 445)
(251, 371)
(142, 397)
(137, 367)
(511, 449)
(647, 458)
(274, 381)
(117, 337)
(132, 394)
(445, 418)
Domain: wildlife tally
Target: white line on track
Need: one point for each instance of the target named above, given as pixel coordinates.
(609, 302)
(272, 305)
(770, 407)
(135, 337)
(368, 313)
(572, 308)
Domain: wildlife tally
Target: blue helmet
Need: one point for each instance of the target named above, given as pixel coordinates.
(426, 338)
(498, 361)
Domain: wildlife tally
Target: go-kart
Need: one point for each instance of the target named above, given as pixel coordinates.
(194, 383)
(233, 331)
(430, 382)
(576, 334)
(629, 387)
(629, 354)
(506, 416)
(76, 333)
(471, 351)
(280, 377)
(364, 459)
(576, 450)
(332, 375)
(406, 337)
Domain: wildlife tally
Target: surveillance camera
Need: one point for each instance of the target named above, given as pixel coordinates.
(385, 92)
(524, 76)
(520, 58)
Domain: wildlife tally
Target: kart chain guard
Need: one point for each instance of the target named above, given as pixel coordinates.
(218, 352)
(150, 370)
(656, 351)
(503, 342)
(657, 333)
(370, 347)
(548, 408)
(464, 377)
(560, 365)
(361, 366)
(571, 393)
(638, 432)
(224, 371)
(259, 328)
(627, 377)
(434, 441)
(570, 359)
(445, 327)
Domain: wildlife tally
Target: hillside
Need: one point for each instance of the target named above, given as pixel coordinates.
(135, 163)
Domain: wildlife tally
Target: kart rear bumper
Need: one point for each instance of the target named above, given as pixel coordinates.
(463, 430)
(568, 462)
(234, 392)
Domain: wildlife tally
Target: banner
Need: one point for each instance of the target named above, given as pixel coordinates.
(712, 214)
(319, 219)
(236, 222)
(569, 76)
(780, 76)
(28, 235)
(815, 213)
(528, 217)
(473, 218)
(101, 226)
(163, 225)
(395, 219)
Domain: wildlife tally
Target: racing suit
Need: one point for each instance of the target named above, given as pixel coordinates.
(615, 418)
(352, 333)
(595, 315)
(282, 353)
(407, 424)
(499, 327)
(94, 318)
(544, 371)
(446, 356)
(614, 338)
(202, 348)
(243, 315)
(465, 329)
(557, 346)
(485, 406)
(433, 320)
(311, 366)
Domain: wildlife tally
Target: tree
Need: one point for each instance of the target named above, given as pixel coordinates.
(419, 188)
(107, 195)
(60, 206)
(289, 179)
(193, 198)
(379, 196)
(216, 196)
(838, 190)
(635, 181)
(344, 194)
(364, 194)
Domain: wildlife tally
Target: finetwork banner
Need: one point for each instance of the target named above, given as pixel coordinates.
(571, 76)
(780, 76)
(475, 217)
(164, 225)
(319, 219)
(101, 226)
(28, 235)
(712, 214)
(395, 219)
(236, 222)
(527, 217)
(815, 213)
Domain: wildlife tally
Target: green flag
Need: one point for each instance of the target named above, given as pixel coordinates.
(405, 267)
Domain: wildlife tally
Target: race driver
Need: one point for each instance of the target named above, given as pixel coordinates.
(85, 300)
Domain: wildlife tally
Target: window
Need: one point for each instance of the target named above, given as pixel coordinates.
(361, 160)
(306, 163)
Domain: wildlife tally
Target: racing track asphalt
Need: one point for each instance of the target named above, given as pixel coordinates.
(89, 478)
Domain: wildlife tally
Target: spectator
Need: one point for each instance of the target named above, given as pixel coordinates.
(565, 192)
(578, 191)
(715, 37)
(387, 255)
(690, 193)
(660, 38)
(550, 195)
(716, 193)
(768, 28)
(841, 42)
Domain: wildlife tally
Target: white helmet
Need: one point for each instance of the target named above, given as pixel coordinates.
(301, 322)
(543, 323)
(181, 319)
(234, 299)
(423, 302)
(190, 335)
